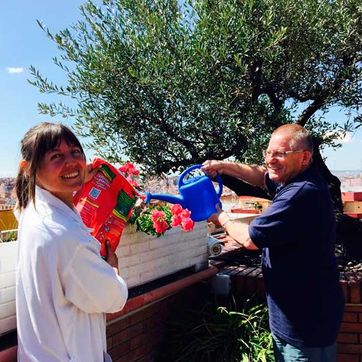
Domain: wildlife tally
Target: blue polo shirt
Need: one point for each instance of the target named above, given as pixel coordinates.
(297, 236)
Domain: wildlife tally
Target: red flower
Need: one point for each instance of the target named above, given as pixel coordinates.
(187, 224)
(176, 209)
(160, 226)
(124, 168)
(176, 220)
(157, 215)
(186, 213)
(129, 169)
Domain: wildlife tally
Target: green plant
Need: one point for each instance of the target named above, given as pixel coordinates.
(8, 235)
(258, 206)
(218, 334)
(170, 83)
(8, 227)
(145, 223)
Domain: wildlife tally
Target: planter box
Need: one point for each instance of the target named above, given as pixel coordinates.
(143, 258)
(8, 257)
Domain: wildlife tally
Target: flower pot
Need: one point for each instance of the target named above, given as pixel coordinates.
(143, 258)
(8, 258)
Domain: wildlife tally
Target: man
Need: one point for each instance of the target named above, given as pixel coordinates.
(297, 235)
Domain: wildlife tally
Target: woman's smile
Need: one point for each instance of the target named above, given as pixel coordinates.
(71, 175)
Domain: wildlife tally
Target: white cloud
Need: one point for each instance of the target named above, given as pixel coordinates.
(348, 138)
(14, 70)
(342, 138)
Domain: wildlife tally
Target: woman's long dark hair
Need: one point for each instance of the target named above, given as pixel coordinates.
(35, 144)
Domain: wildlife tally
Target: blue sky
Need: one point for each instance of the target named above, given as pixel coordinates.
(23, 43)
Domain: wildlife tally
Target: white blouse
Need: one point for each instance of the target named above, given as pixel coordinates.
(63, 286)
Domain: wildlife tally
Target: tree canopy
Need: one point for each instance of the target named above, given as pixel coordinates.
(169, 83)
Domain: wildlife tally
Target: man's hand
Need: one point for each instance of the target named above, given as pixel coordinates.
(215, 218)
(212, 167)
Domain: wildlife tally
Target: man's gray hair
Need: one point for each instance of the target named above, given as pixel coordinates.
(300, 139)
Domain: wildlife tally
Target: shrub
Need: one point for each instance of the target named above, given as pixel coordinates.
(219, 334)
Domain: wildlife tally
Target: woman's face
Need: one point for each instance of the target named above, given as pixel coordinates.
(62, 171)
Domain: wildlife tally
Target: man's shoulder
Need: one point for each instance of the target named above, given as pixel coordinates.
(299, 190)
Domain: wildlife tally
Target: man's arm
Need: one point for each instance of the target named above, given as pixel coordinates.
(252, 174)
(237, 230)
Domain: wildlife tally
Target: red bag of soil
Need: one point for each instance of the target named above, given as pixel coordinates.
(105, 203)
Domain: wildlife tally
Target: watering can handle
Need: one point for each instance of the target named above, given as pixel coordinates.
(194, 167)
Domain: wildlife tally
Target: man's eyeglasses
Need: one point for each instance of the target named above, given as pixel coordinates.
(278, 154)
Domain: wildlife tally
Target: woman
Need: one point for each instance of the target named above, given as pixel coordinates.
(63, 285)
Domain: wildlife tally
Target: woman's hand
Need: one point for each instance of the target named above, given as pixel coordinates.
(212, 167)
(90, 172)
(111, 258)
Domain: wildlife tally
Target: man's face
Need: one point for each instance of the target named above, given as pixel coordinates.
(281, 164)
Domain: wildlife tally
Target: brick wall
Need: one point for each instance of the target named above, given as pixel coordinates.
(349, 342)
(138, 337)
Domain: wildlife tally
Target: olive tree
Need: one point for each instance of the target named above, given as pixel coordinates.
(169, 83)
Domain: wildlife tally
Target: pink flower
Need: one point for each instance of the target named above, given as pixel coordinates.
(176, 220)
(186, 213)
(124, 168)
(160, 226)
(157, 215)
(187, 224)
(176, 209)
(129, 169)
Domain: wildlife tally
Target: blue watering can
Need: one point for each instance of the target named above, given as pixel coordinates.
(196, 194)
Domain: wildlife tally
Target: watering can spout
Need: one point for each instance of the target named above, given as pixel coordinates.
(172, 199)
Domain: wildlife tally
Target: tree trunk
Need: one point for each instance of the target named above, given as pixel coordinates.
(334, 184)
(242, 188)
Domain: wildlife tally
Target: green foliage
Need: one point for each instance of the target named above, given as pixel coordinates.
(144, 221)
(216, 334)
(170, 83)
(6, 236)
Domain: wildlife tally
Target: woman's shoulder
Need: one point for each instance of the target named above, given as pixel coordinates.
(50, 223)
